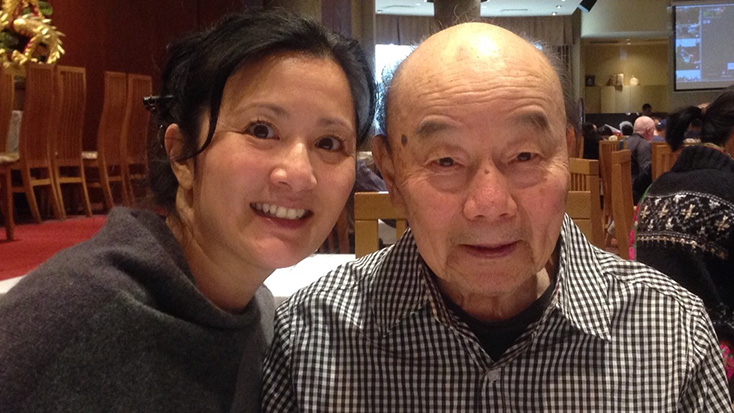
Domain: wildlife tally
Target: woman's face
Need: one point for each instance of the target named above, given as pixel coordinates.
(269, 188)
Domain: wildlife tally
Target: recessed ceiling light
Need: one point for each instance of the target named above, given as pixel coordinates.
(558, 6)
(554, 14)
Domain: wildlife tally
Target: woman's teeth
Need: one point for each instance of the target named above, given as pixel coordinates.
(279, 211)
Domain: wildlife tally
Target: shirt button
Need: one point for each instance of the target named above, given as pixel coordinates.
(492, 376)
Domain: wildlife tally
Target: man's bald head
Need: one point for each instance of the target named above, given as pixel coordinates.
(645, 127)
(468, 50)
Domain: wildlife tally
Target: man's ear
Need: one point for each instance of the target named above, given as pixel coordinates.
(385, 162)
(174, 143)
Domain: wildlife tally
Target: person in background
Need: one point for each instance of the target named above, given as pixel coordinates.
(591, 140)
(626, 128)
(492, 300)
(659, 135)
(641, 152)
(646, 110)
(259, 119)
(685, 222)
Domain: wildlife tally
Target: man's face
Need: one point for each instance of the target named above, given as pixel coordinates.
(479, 165)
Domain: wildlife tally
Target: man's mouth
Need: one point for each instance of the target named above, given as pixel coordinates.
(278, 211)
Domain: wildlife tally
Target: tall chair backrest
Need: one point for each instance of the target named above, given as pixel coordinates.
(369, 207)
(71, 98)
(605, 172)
(659, 149)
(137, 118)
(112, 132)
(623, 207)
(585, 178)
(38, 105)
(7, 96)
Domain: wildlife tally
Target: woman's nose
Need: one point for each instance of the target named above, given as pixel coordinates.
(294, 169)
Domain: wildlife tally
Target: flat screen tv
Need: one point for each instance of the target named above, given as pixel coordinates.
(704, 45)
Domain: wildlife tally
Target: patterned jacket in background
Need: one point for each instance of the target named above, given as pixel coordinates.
(686, 230)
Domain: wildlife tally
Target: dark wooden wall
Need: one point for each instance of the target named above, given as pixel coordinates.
(127, 36)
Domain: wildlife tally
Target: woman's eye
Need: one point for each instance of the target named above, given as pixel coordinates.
(261, 130)
(445, 162)
(330, 143)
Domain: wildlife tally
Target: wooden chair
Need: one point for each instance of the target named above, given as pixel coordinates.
(137, 119)
(34, 163)
(107, 162)
(66, 139)
(658, 151)
(585, 182)
(623, 207)
(7, 96)
(369, 207)
(605, 173)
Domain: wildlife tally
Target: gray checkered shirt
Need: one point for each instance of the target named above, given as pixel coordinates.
(375, 336)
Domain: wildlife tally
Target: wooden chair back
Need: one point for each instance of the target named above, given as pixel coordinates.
(369, 207)
(585, 179)
(623, 207)
(71, 99)
(38, 109)
(137, 117)
(605, 173)
(34, 145)
(66, 138)
(7, 97)
(112, 127)
(659, 149)
(583, 207)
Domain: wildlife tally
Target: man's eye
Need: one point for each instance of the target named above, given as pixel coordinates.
(524, 156)
(445, 162)
(330, 143)
(260, 130)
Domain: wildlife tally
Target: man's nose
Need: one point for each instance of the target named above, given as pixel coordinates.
(489, 195)
(294, 169)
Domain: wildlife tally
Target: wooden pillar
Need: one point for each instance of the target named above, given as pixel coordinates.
(450, 12)
(310, 8)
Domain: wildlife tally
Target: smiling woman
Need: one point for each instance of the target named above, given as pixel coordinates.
(259, 120)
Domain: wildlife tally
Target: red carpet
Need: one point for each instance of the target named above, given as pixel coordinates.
(35, 243)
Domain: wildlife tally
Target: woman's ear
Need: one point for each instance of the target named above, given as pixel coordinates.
(174, 144)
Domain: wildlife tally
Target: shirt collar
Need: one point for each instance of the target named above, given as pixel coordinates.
(403, 285)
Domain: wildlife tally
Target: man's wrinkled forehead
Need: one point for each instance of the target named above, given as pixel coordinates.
(471, 49)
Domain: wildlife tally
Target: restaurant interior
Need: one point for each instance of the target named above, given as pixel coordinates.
(619, 55)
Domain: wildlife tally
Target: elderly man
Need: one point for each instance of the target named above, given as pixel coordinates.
(493, 300)
(641, 164)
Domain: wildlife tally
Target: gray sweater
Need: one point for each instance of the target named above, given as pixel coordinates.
(117, 324)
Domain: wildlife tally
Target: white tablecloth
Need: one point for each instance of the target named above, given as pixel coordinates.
(283, 282)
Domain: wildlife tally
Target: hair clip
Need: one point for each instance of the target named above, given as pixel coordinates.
(152, 103)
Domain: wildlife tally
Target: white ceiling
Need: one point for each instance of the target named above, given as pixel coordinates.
(489, 7)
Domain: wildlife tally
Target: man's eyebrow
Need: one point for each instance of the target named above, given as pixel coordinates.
(536, 120)
(430, 127)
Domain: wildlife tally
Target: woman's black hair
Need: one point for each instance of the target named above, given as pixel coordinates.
(718, 119)
(677, 124)
(199, 66)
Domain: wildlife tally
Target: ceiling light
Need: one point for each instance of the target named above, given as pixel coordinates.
(554, 14)
(558, 6)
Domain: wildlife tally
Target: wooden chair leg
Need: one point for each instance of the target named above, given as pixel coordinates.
(85, 195)
(6, 202)
(30, 195)
(104, 183)
(57, 196)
